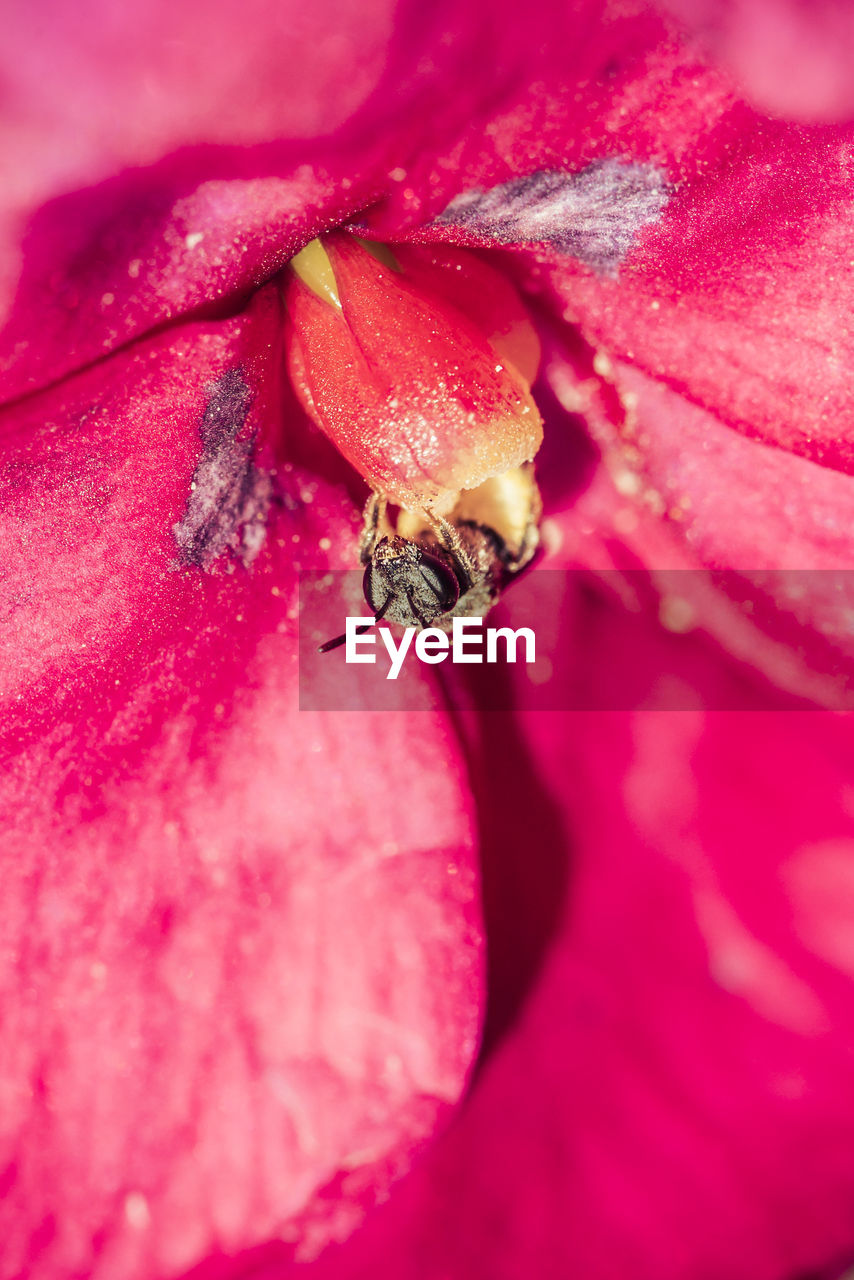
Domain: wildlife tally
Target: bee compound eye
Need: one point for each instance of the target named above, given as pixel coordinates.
(440, 580)
(370, 582)
(411, 584)
(368, 589)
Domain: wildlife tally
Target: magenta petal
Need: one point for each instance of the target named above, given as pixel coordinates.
(186, 236)
(139, 195)
(675, 1098)
(737, 295)
(237, 994)
(241, 974)
(765, 567)
(791, 59)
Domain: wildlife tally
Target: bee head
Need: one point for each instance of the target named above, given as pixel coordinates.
(411, 584)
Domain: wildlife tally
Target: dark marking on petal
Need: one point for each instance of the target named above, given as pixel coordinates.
(229, 496)
(593, 214)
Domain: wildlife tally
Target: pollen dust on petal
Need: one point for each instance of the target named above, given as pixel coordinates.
(229, 495)
(594, 214)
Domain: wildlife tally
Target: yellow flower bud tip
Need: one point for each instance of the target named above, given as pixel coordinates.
(313, 267)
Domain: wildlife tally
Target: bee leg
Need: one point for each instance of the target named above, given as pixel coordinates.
(375, 509)
(450, 540)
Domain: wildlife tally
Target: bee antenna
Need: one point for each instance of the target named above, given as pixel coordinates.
(342, 639)
(339, 640)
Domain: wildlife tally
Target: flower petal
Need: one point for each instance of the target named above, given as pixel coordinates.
(137, 197)
(738, 296)
(237, 995)
(789, 59)
(674, 1098)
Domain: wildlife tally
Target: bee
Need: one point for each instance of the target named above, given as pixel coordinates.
(424, 569)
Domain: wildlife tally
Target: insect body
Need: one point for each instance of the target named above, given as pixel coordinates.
(424, 570)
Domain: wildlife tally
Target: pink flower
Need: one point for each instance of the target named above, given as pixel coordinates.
(243, 964)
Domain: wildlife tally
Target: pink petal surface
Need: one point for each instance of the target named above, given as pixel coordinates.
(789, 541)
(242, 951)
(227, 981)
(738, 296)
(727, 314)
(674, 1099)
(790, 58)
(170, 214)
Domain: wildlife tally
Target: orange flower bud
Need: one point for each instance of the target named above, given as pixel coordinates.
(409, 388)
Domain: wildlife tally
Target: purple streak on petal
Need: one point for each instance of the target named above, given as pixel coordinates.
(229, 496)
(594, 214)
